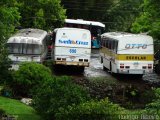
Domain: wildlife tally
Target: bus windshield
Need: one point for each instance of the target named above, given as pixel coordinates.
(96, 30)
(23, 48)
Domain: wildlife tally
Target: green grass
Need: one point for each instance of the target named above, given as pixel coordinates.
(15, 107)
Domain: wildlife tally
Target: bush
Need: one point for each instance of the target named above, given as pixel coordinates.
(7, 91)
(154, 106)
(28, 77)
(5, 63)
(48, 63)
(92, 110)
(56, 94)
(2, 112)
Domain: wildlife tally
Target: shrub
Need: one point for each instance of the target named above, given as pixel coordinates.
(2, 112)
(154, 106)
(57, 94)
(7, 91)
(28, 77)
(92, 110)
(48, 63)
(5, 63)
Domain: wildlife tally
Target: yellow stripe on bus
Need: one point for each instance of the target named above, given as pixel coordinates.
(135, 57)
(127, 57)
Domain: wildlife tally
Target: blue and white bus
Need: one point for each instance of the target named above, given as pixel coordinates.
(96, 29)
(72, 47)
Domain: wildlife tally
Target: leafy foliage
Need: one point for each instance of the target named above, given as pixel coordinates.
(154, 106)
(118, 15)
(92, 110)
(28, 77)
(9, 19)
(88, 9)
(57, 94)
(43, 14)
(121, 15)
(149, 20)
(4, 65)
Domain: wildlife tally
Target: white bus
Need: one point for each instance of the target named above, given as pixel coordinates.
(72, 46)
(96, 28)
(127, 53)
(27, 45)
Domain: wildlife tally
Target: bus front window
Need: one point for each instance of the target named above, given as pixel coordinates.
(34, 49)
(14, 48)
(22, 48)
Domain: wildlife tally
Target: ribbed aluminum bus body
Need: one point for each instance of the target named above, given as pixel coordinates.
(27, 45)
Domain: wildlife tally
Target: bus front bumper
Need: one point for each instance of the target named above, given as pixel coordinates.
(134, 71)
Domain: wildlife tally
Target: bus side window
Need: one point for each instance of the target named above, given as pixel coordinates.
(69, 25)
(75, 26)
(106, 43)
(65, 25)
(113, 45)
(85, 27)
(101, 42)
(79, 26)
(116, 45)
(109, 44)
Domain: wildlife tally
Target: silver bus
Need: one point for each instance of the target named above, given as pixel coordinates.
(27, 45)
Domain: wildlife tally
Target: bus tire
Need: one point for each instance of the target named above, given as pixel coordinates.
(101, 60)
(81, 69)
(104, 68)
(110, 67)
(157, 69)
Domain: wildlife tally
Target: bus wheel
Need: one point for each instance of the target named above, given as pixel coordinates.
(101, 60)
(104, 68)
(81, 69)
(157, 69)
(110, 67)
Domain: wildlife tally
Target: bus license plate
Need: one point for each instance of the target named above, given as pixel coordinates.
(136, 71)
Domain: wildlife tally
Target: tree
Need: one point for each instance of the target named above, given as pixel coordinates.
(9, 19)
(56, 94)
(43, 14)
(86, 9)
(117, 15)
(149, 20)
(121, 15)
(28, 78)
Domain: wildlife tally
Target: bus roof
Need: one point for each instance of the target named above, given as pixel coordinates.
(28, 35)
(85, 22)
(68, 28)
(30, 32)
(119, 35)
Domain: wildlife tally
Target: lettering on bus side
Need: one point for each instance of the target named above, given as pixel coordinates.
(132, 46)
(78, 42)
(136, 58)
